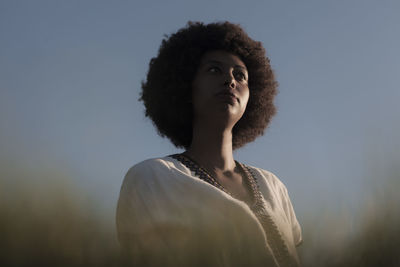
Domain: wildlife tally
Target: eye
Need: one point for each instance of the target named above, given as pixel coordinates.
(240, 76)
(214, 69)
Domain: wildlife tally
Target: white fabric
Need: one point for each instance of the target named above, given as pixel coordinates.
(164, 208)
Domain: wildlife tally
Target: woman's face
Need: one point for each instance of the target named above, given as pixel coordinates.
(220, 87)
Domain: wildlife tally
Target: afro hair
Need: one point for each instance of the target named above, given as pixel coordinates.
(166, 93)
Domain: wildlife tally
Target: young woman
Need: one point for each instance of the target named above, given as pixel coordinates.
(210, 90)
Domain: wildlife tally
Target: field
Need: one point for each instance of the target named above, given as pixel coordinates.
(49, 222)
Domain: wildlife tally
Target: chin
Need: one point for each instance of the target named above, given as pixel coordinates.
(229, 113)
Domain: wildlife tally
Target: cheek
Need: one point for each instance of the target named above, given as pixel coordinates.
(246, 96)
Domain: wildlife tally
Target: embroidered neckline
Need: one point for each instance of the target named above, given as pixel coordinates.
(274, 237)
(248, 178)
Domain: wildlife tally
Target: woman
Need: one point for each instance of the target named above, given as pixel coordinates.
(210, 90)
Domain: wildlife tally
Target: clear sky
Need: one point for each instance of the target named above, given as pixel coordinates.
(70, 74)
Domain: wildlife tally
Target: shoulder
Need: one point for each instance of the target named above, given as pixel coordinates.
(148, 184)
(276, 194)
(149, 169)
(160, 163)
(272, 188)
(159, 176)
(269, 181)
(150, 164)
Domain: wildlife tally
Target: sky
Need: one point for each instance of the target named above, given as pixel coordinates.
(70, 74)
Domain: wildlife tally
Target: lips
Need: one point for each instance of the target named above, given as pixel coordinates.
(228, 95)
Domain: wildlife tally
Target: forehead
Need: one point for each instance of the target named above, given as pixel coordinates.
(222, 57)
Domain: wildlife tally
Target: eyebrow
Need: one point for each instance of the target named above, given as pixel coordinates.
(220, 63)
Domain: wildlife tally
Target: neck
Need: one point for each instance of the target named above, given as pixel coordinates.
(212, 148)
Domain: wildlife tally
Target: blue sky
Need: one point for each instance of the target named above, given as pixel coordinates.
(70, 74)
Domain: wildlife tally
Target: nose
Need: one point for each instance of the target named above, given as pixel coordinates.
(230, 80)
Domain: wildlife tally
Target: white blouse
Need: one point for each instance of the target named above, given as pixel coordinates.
(167, 215)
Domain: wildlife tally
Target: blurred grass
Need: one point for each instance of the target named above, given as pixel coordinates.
(366, 236)
(45, 221)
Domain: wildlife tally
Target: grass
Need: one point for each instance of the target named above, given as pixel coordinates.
(48, 222)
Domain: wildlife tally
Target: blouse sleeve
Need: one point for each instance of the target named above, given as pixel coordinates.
(290, 214)
(297, 235)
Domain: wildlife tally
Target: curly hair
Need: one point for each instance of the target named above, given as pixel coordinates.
(166, 93)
